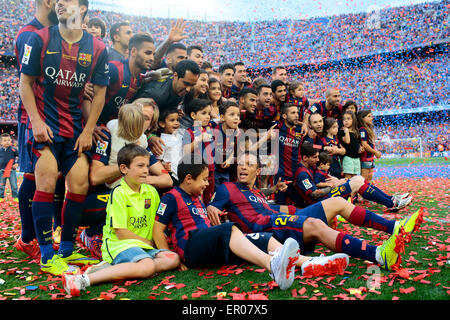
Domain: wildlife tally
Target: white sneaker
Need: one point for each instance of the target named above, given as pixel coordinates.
(282, 264)
(74, 284)
(398, 196)
(325, 265)
(401, 203)
(97, 267)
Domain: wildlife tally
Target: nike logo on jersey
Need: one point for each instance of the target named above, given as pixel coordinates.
(52, 52)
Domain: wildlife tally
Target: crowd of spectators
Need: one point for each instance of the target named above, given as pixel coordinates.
(395, 83)
(266, 43)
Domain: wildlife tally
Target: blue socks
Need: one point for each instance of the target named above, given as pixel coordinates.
(43, 208)
(26, 194)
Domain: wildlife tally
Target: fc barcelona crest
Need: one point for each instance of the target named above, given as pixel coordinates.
(148, 203)
(85, 59)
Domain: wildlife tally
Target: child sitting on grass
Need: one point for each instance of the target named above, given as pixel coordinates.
(128, 251)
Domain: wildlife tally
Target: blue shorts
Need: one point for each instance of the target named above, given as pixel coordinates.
(210, 247)
(291, 226)
(367, 164)
(136, 254)
(24, 141)
(97, 199)
(62, 150)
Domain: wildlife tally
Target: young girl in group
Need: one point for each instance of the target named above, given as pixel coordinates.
(173, 141)
(215, 95)
(349, 138)
(367, 134)
(333, 147)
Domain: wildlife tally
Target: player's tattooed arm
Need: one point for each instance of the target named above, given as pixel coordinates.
(319, 193)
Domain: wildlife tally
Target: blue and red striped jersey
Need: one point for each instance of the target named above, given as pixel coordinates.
(320, 176)
(321, 108)
(247, 207)
(366, 156)
(302, 105)
(318, 142)
(122, 87)
(272, 113)
(254, 120)
(22, 38)
(289, 149)
(207, 147)
(304, 185)
(182, 213)
(333, 142)
(62, 70)
(226, 144)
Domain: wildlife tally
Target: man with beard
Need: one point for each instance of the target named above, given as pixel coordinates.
(252, 103)
(289, 146)
(125, 76)
(45, 16)
(278, 98)
(169, 93)
(240, 79)
(329, 108)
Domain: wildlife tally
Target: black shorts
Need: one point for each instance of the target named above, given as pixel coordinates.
(210, 247)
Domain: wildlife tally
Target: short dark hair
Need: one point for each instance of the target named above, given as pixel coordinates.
(130, 151)
(138, 39)
(224, 106)
(275, 84)
(325, 158)
(175, 46)
(115, 28)
(196, 105)
(239, 63)
(307, 149)
(193, 47)
(190, 164)
(5, 135)
(165, 113)
(97, 22)
(259, 89)
(349, 103)
(186, 65)
(247, 90)
(226, 66)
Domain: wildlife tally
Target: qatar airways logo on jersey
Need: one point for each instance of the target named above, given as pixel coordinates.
(66, 78)
(199, 212)
(256, 199)
(290, 142)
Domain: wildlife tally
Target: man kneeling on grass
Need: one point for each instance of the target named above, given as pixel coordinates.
(127, 250)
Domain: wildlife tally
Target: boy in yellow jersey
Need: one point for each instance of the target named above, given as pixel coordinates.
(128, 251)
